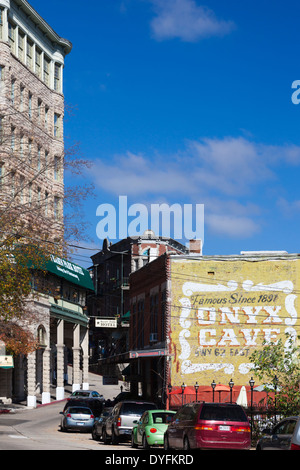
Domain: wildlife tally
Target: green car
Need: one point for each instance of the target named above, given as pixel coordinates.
(150, 429)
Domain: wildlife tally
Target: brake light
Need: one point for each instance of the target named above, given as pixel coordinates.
(153, 430)
(240, 428)
(206, 427)
(92, 416)
(68, 415)
(119, 422)
(295, 447)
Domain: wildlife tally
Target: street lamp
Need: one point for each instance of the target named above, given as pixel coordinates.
(182, 391)
(251, 383)
(213, 386)
(196, 389)
(169, 390)
(231, 384)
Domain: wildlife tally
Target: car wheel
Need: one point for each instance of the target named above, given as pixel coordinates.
(105, 438)
(145, 442)
(186, 444)
(63, 427)
(166, 443)
(114, 438)
(133, 444)
(95, 435)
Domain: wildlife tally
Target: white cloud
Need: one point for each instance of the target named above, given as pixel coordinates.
(231, 226)
(185, 20)
(225, 175)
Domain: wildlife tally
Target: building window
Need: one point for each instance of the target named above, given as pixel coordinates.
(56, 207)
(30, 105)
(140, 324)
(12, 91)
(46, 162)
(56, 125)
(39, 159)
(13, 138)
(22, 146)
(39, 110)
(56, 168)
(46, 203)
(38, 61)
(153, 317)
(21, 98)
(46, 117)
(21, 40)
(30, 151)
(57, 77)
(29, 53)
(47, 70)
(11, 36)
(1, 23)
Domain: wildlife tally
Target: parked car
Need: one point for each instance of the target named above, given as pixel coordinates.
(119, 425)
(151, 427)
(80, 418)
(285, 435)
(86, 394)
(209, 426)
(94, 404)
(99, 424)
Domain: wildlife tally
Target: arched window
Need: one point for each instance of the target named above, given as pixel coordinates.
(42, 337)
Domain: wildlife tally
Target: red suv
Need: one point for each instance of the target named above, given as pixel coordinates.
(209, 426)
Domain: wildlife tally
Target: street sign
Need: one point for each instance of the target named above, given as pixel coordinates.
(105, 322)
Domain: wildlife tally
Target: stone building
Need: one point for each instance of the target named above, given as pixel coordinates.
(32, 58)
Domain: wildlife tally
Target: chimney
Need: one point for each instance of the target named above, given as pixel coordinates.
(195, 247)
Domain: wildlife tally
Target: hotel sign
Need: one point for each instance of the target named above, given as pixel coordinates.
(106, 323)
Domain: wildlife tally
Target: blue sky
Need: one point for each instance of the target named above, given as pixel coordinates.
(188, 101)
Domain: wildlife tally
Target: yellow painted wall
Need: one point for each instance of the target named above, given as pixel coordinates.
(222, 310)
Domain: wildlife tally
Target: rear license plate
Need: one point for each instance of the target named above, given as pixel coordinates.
(80, 424)
(224, 428)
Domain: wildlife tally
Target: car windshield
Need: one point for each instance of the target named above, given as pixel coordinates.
(164, 418)
(222, 413)
(81, 394)
(136, 409)
(78, 410)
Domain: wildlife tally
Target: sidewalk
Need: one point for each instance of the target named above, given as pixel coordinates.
(95, 383)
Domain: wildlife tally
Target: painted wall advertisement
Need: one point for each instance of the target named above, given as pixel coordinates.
(221, 311)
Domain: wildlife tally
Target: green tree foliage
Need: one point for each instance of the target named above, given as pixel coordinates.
(277, 366)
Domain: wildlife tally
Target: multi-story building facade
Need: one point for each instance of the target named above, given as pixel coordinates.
(32, 186)
(31, 114)
(111, 269)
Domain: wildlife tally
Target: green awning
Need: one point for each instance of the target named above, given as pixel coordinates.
(70, 271)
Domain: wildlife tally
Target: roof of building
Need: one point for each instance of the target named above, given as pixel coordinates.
(44, 26)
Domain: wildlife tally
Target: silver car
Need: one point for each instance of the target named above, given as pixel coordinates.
(284, 436)
(119, 424)
(295, 443)
(86, 394)
(79, 418)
